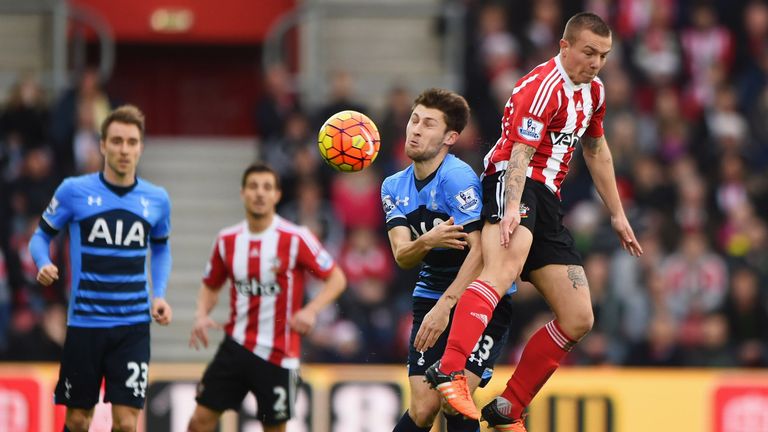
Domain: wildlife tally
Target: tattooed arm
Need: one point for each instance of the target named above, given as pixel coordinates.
(599, 161)
(514, 181)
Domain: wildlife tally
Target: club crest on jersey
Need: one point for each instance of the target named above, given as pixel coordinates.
(524, 209)
(388, 204)
(255, 288)
(468, 200)
(530, 129)
(52, 206)
(145, 204)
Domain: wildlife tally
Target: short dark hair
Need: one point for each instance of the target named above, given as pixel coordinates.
(585, 21)
(260, 167)
(128, 114)
(454, 107)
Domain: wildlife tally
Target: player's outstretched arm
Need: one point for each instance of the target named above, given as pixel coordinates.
(599, 160)
(207, 298)
(436, 320)
(519, 160)
(304, 320)
(409, 253)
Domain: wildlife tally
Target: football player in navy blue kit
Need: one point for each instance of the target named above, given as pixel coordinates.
(114, 217)
(433, 213)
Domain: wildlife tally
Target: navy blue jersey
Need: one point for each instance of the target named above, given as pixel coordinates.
(110, 230)
(452, 190)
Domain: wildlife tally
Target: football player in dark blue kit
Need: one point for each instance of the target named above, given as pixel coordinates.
(433, 213)
(114, 218)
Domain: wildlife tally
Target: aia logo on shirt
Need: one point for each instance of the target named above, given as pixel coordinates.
(255, 288)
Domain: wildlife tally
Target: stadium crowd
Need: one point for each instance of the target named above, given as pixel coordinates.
(687, 96)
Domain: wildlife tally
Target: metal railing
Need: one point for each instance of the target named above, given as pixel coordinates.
(311, 13)
(55, 75)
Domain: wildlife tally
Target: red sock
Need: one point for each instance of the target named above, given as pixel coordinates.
(541, 357)
(473, 312)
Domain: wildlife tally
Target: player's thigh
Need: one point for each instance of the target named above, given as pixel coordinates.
(126, 365)
(224, 382)
(502, 266)
(81, 371)
(566, 290)
(275, 390)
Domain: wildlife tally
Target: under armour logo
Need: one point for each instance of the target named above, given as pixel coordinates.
(403, 201)
(482, 317)
(94, 200)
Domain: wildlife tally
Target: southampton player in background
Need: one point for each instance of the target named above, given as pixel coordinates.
(433, 218)
(552, 108)
(113, 217)
(266, 258)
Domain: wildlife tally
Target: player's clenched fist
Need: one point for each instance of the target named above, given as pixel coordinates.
(48, 274)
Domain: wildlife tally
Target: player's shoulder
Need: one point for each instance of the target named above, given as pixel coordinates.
(399, 178)
(149, 188)
(285, 226)
(71, 185)
(232, 230)
(454, 168)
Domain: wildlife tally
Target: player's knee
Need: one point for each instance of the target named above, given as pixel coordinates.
(579, 324)
(424, 412)
(124, 424)
(78, 422)
(201, 423)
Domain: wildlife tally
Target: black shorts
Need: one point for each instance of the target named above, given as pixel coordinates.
(542, 213)
(484, 354)
(119, 354)
(235, 371)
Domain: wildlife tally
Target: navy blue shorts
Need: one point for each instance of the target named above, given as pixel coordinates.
(119, 355)
(235, 371)
(483, 356)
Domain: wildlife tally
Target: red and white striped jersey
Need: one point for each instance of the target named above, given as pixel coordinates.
(267, 272)
(549, 112)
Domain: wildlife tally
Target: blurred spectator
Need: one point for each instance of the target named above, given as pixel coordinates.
(713, 350)
(38, 340)
(277, 103)
(24, 121)
(660, 347)
(85, 105)
(310, 208)
(342, 97)
(396, 116)
(708, 49)
(356, 199)
(695, 279)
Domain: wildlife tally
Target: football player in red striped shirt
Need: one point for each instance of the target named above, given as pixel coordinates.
(265, 258)
(554, 107)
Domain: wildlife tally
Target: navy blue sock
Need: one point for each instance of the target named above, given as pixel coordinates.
(459, 423)
(406, 424)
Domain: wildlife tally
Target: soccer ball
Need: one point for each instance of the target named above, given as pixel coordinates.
(349, 141)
